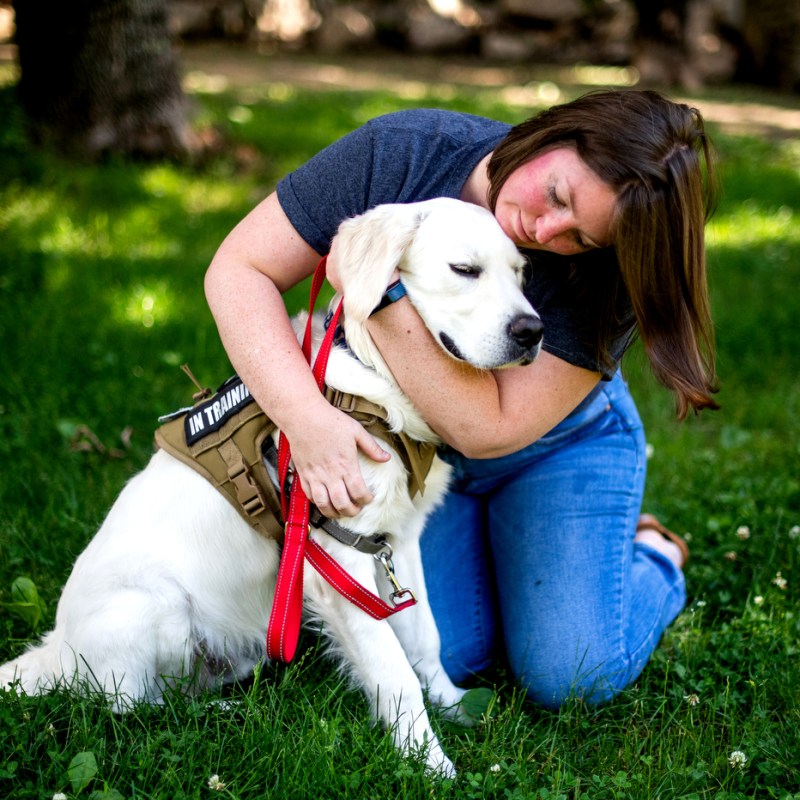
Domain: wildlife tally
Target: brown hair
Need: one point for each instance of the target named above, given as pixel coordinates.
(656, 156)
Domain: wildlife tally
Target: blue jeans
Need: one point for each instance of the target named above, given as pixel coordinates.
(533, 552)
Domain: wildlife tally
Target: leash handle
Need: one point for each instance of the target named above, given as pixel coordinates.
(283, 630)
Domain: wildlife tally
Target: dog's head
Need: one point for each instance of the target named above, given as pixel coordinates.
(461, 272)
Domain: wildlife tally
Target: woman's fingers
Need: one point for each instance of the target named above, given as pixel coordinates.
(335, 501)
(329, 469)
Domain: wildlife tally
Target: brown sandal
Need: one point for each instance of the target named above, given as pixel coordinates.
(649, 522)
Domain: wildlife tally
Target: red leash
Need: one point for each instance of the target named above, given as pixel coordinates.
(287, 609)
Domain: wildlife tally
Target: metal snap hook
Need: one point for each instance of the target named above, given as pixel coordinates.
(385, 558)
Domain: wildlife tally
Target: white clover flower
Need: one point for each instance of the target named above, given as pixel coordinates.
(737, 759)
(780, 581)
(701, 603)
(743, 532)
(758, 599)
(648, 451)
(731, 555)
(215, 784)
(794, 532)
(59, 796)
(692, 699)
(494, 768)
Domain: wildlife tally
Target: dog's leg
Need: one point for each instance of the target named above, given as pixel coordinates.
(370, 651)
(416, 629)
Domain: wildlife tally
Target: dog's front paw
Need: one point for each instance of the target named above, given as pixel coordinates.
(437, 764)
(414, 737)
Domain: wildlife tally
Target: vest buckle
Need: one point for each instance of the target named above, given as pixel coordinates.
(248, 492)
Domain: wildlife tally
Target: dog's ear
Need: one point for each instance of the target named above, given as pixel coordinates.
(369, 247)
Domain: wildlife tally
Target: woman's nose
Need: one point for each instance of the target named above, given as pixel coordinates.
(549, 227)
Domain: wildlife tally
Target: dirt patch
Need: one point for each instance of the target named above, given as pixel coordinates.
(750, 111)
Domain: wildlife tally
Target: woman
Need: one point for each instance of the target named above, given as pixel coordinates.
(540, 546)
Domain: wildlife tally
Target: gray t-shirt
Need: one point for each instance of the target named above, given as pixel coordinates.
(420, 154)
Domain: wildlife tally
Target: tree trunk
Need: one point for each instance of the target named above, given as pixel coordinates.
(772, 32)
(100, 77)
(660, 52)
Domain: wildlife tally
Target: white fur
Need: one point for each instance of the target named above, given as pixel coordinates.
(175, 586)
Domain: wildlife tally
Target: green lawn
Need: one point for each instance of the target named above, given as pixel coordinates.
(100, 302)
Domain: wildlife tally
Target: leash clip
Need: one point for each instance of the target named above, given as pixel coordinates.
(385, 559)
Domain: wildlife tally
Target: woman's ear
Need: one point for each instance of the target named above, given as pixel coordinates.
(368, 248)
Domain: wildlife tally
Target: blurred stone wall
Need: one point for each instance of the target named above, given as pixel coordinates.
(687, 43)
(706, 48)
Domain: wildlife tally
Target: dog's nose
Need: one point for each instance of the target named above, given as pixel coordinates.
(526, 330)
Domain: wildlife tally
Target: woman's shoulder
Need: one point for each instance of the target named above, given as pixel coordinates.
(438, 121)
(401, 157)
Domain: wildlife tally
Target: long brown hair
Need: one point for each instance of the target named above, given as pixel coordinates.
(656, 156)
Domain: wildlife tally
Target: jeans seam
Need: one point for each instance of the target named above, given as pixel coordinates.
(624, 608)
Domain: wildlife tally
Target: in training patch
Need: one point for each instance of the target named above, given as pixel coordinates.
(213, 413)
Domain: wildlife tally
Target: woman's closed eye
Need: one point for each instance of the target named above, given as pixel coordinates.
(575, 235)
(555, 199)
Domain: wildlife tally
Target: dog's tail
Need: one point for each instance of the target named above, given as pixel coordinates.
(37, 671)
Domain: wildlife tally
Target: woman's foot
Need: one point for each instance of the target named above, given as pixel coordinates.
(651, 532)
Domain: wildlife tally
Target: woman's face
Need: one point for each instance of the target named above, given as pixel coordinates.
(555, 202)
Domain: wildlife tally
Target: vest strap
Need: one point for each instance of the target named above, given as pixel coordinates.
(248, 492)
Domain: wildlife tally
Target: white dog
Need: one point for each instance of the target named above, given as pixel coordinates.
(176, 584)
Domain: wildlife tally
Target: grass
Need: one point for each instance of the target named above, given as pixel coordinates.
(101, 301)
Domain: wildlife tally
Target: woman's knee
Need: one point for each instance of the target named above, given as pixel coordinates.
(562, 676)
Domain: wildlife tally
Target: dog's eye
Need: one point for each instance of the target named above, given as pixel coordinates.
(466, 270)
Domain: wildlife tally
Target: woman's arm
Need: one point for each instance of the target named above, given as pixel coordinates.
(481, 414)
(261, 258)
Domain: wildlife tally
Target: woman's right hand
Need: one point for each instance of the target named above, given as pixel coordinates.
(325, 443)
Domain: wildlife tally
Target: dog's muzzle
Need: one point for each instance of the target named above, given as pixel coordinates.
(521, 343)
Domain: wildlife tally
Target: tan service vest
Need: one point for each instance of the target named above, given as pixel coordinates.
(227, 438)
